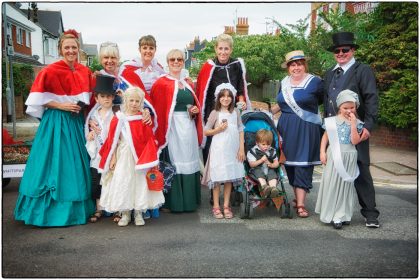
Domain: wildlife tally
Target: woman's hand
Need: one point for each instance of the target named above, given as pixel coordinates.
(241, 104)
(93, 125)
(69, 107)
(323, 157)
(146, 117)
(194, 110)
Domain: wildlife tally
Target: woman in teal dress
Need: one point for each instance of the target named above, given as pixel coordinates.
(179, 134)
(55, 188)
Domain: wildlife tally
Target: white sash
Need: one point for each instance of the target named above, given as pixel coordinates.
(287, 92)
(331, 127)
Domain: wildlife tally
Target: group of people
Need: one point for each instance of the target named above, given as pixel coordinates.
(103, 146)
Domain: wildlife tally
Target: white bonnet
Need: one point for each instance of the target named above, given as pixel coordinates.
(223, 86)
(347, 96)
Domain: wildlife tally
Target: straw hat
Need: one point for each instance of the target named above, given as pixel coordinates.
(292, 56)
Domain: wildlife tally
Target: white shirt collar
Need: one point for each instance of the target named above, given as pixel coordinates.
(346, 66)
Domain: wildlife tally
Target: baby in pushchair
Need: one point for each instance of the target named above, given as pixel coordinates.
(262, 187)
(263, 163)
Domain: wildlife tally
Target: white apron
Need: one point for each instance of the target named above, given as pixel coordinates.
(224, 165)
(183, 144)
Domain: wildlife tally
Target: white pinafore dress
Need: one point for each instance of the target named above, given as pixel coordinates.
(224, 165)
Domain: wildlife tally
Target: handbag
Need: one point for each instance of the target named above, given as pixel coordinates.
(169, 172)
(154, 179)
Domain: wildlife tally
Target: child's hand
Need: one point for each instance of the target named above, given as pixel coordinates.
(91, 135)
(323, 157)
(352, 118)
(113, 162)
(146, 117)
(222, 126)
(241, 155)
(94, 126)
(265, 159)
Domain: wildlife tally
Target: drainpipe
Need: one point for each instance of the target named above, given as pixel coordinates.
(10, 97)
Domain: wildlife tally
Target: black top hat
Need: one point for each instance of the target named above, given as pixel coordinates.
(104, 84)
(342, 39)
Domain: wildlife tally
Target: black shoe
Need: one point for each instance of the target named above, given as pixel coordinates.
(346, 223)
(372, 223)
(337, 225)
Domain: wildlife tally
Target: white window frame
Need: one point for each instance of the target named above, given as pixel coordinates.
(27, 38)
(19, 35)
(89, 61)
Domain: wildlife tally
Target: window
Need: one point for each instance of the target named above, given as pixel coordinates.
(90, 61)
(19, 35)
(50, 47)
(28, 38)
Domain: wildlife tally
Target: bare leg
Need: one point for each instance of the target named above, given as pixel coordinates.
(216, 194)
(300, 198)
(226, 201)
(262, 181)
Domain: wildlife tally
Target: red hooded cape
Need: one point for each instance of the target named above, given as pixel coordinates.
(203, 82)
(58, 82)
(163, 94)
(140, 138)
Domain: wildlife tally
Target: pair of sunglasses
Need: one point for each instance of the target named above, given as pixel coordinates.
(343, 50)
(173, 59)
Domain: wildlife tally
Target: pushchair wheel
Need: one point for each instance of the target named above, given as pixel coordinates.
(242, 212)
(251, 211)
(285, 211)
(235, 198)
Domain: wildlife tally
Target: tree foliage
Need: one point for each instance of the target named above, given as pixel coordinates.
(394, 55)
(23, 75)
(95, 66)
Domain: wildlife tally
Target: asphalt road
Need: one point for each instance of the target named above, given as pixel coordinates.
(196, 245)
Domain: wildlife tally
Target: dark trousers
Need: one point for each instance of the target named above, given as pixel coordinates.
(366, 192)
(96, 187)
(364, 183)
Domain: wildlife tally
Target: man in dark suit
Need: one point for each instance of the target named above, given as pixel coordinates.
(358, 77)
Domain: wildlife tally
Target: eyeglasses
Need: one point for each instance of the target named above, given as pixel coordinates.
(173, 59)
(343, 50)
(108, 44)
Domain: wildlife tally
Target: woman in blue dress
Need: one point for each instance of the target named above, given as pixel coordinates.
(299, 125)
(55, 188)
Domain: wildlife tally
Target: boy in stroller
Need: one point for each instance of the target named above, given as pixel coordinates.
(263, 163)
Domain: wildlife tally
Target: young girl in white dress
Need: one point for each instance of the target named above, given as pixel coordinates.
(337, 194)
(127, 154)
(224, 163)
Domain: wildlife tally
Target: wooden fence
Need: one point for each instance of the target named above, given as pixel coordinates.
(268, 91)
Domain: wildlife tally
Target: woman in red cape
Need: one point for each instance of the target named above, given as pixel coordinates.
(55, 188)
(179, 134)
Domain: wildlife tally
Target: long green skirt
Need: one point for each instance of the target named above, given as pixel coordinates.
(55, 187)
(185, 194)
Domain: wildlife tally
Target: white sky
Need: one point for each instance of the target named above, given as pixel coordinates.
(174, 25)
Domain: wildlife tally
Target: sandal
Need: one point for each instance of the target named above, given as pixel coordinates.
(303, 213)
(117, 217)
(217, 213)
(228, 212)
(95, 217)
